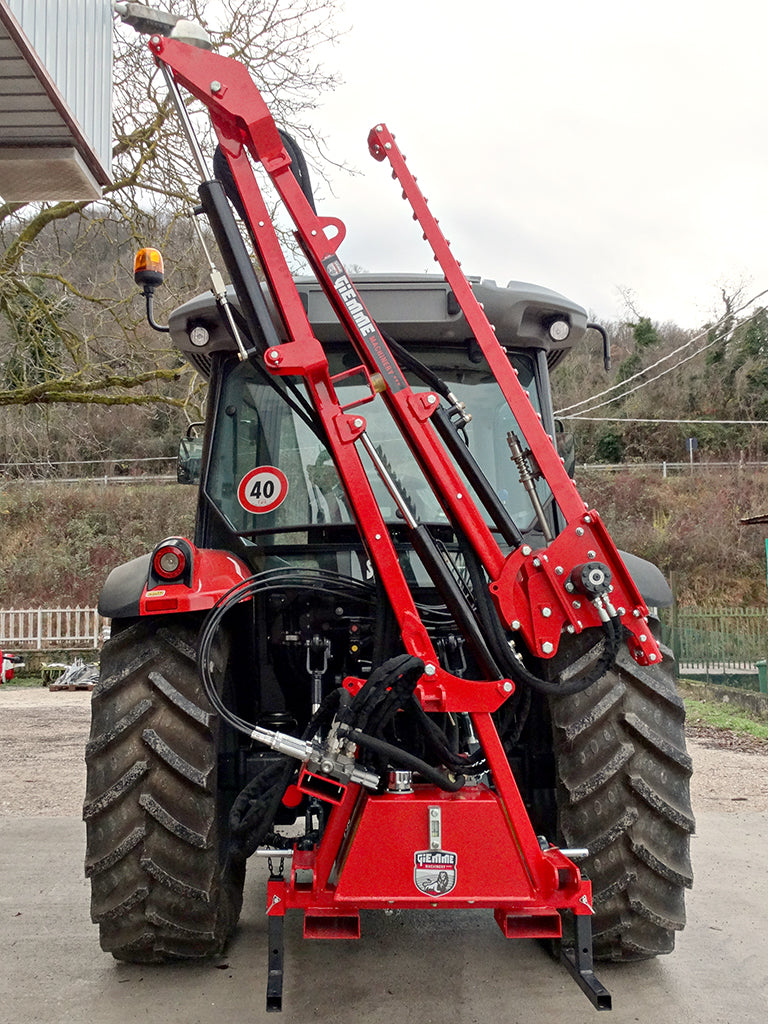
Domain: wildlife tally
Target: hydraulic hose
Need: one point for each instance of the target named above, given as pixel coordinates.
(498, 641)
(403, 759)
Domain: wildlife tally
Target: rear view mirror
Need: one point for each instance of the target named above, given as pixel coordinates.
(188, 465)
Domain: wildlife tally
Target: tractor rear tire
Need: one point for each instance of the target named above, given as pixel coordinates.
(624, 794)
(162, 882)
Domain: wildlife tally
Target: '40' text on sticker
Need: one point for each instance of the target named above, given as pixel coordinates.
(262, 489)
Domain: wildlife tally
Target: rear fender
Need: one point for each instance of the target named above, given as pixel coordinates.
(134, 589)
(649, 580)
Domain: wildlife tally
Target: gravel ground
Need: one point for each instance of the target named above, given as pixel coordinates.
(44, 735)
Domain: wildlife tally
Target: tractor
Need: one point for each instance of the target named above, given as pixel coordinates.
(400, 657)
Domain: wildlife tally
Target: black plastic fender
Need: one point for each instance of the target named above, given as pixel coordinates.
(121, 593)
(649, 580)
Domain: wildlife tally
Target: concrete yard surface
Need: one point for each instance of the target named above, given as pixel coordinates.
(422, 967)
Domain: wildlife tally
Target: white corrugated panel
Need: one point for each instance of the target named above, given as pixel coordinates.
(74, 41)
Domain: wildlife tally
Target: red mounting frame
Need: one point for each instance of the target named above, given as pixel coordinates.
(498, 861)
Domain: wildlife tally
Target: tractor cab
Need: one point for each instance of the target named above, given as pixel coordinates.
(269, 486)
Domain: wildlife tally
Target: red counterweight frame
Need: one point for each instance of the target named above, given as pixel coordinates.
(499, 862)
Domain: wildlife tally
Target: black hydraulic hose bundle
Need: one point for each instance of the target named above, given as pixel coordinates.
(254, 809)
(253, 812)
(386, 691)
(389, 689)
(409, 762)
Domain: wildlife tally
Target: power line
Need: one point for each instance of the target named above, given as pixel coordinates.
(644, 383)
(702, 334)
(629, 419)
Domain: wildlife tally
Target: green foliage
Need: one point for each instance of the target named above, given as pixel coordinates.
(610, 446)
(37, 343)
(629, 367)
(22, 680)
(754, 338)
(701, 712)
(645, 333)
(718, 374)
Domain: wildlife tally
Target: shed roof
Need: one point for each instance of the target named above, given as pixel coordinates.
(44, 152)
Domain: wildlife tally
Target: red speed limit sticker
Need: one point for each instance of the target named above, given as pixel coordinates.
(263, 489)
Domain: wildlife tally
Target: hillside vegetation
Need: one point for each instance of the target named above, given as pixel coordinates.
(690, 525)
(715, 378)
(59, 541)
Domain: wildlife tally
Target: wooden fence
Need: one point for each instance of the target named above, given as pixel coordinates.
(50, 629)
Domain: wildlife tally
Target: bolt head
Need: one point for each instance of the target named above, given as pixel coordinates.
(215, 87)
(546, 612)
(559, 570)
(591, 554)
(651, 657)
(587, 519)
(359, 422)
(537, 562)
(507, 687)
(429, 670)
(526, 550)
(642, 638)
(579, 532)
(547, 647)
(515, 624)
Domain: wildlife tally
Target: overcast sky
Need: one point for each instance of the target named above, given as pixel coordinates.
(589, 146)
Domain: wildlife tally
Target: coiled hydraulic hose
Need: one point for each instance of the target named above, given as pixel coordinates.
(343, 587)
(499, 643)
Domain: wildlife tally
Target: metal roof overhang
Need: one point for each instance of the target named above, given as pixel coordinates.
(44, 153)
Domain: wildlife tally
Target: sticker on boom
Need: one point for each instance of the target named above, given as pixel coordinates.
(263, 489)
(434, 871)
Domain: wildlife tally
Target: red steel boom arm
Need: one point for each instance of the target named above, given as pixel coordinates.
(533, 590)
